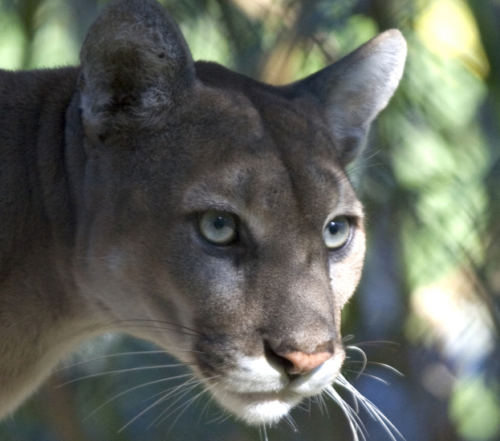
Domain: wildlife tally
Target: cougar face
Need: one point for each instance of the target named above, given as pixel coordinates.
(212, 213)
(241, 258)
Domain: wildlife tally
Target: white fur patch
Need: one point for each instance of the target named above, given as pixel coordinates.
(260, 393)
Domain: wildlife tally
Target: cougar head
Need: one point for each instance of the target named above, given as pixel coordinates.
(216, 217)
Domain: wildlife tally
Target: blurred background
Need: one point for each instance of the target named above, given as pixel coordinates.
(428, 305)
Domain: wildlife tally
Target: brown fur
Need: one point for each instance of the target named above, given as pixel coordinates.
(105, 170)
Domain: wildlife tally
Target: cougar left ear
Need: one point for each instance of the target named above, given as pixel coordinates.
(356, 88)
(135, 62)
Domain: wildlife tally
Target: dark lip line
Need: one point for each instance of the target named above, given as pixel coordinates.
(281, 395)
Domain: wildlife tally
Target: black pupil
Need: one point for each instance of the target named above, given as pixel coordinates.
(219, 223)
(334, 228)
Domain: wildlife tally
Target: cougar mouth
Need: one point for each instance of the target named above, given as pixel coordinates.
(259, 393)
(257, 407)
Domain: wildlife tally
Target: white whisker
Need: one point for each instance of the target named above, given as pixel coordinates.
(185, 406)
(288, 418)
(365, 358)
(364, 374)
(205, 408)
(171, 391)
(160, 400)
(353, 419)
(322, 405)
(347, 338)
(263, 433)
(161, 417)
(120, 327)
(373, 410)
(224, 417)
(392, 345)
(383, 365)
(120, 354)
(121, 371)
(102, 357)
(134, 388)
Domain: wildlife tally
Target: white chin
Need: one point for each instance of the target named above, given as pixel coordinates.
(257, 408)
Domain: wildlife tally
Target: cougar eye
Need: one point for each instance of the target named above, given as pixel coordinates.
(218, 227)
(337, 232)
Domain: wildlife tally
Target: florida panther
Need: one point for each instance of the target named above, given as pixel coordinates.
(209, 209)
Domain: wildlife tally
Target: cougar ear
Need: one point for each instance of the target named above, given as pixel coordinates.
(356, 88)
(135, 62)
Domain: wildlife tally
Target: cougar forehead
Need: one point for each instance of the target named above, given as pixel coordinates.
(251, 144)
(259, 140)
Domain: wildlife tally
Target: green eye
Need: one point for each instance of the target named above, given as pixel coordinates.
(337, 232)
(218, 227)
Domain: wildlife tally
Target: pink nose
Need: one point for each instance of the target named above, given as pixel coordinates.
(304, 363)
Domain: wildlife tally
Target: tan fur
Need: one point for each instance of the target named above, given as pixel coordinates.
(105, 171)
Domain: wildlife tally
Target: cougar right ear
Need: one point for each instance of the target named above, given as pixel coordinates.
(356, 88)
(135, 62)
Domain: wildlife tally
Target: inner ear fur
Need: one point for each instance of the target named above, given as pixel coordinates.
(356, 88)
(135, 61)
